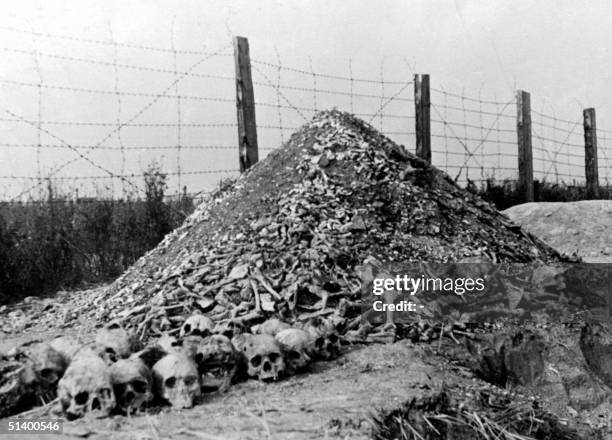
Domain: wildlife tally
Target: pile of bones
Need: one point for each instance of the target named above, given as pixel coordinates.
(202, 310)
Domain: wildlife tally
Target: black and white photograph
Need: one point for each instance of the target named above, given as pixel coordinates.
(303, 220)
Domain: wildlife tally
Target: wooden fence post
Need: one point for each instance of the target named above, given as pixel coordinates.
(525, 155)
(245, 105)
(590, 153)
(422, 108)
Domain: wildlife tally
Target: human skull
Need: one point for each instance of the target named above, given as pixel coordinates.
(66, 346)
(198, 325)
(295, 344)
(113, 343)
(176, 380)
(218, 362)
(47, 364)
(86, 387)
(271, 327)
(15, 381)
(326, 341)
(189, 345)
(132, 384)
(229, 328)
(168, 343)
(263, 354)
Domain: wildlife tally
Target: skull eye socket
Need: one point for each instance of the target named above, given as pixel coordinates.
(139, 386)
(319, 342)
(294, 355)
(274, 357)
(199, 358)
(111, 354)
(187, 328)
(256, 361)
(48, 374)
(170, 382)
(81, 398)
(120, 388)
(333, 338)
(190, 380)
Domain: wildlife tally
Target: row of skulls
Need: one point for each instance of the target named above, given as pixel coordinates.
(116, 374)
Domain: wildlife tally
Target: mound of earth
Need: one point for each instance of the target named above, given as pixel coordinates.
(573, 228)
(287, 235)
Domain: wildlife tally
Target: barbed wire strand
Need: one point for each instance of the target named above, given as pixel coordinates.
(351, 83)
(178, 104)
(314, 85)
(281, 94)
(38, 69)
(481, 123)
(75, 150)
(465, 133)
(278, 97)
(445, 134)
(127, 148)
(107, 43)
(121, 65)
(498, 152)
(557, 148)
(322, 75)
(382, 91)
(112, 132)
(119, 107)
(389, 100)
(469, 152)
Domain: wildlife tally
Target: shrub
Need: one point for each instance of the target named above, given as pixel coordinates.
(506, 193)
(61, 243)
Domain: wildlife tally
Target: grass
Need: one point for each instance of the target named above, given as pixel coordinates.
(482, 416)
(62, 243)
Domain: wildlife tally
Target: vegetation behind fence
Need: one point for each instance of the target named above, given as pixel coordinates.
(58, 242)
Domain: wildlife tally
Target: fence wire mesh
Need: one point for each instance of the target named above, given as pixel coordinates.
(473, 138)
(94, 114)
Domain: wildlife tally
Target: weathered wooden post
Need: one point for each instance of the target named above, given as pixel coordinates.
(422, 110)
(245, 105)
(525, 155)
(590, 153)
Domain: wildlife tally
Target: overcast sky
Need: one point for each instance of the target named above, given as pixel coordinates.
(559, 51)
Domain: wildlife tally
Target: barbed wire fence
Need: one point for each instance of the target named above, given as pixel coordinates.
(141, 117)
(182, 109)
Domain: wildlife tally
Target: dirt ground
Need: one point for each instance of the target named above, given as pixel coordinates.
(340, 399)
(582, 228)
(334, 401)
